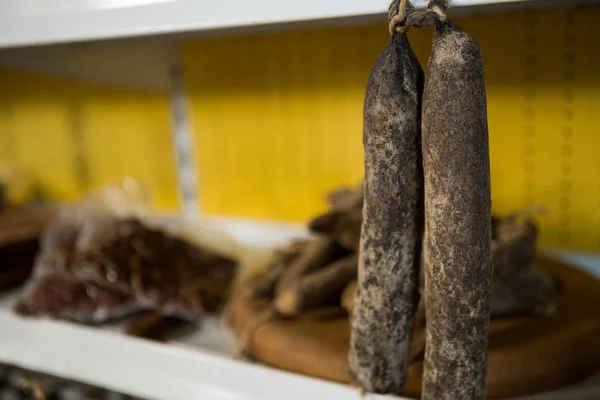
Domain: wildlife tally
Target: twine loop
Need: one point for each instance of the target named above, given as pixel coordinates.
(407, 17)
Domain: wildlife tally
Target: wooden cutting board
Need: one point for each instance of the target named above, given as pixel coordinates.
(527, 355)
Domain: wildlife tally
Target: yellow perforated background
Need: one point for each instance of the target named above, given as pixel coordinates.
(277, 117)
(72, 136)
(277, 121)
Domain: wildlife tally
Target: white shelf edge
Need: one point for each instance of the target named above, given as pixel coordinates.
(35, 22)
(589, 262)
(147, 369)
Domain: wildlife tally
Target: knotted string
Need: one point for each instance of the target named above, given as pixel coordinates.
(405, 16)
(242, 349)
(397, 16)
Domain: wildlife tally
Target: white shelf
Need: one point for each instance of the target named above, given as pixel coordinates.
(36, 22)
(196, 366)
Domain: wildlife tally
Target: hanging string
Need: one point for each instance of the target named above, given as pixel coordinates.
(242, 348)
(433, 14)
(397, 21)
(439, 7)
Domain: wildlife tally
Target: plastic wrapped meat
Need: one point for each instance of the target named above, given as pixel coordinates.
(162, 271)
(63, 297)
(123, 256)
(52, 292)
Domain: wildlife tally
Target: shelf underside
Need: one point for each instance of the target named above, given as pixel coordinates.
(35, 22)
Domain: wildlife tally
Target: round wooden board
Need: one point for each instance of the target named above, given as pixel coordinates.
(527, 355)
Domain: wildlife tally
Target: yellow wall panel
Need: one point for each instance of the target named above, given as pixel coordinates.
(72, 136)
(39, 132)
(277, 117)
(128, 137)
(6, 128)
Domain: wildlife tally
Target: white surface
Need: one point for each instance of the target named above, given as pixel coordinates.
(33, 22)
(198, 365)
(142, 62)
(147, 369)
(587, 261)
(256, 234)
